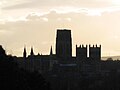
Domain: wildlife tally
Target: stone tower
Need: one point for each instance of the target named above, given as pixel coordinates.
(64, 44)
(95, 52)
(81, 52)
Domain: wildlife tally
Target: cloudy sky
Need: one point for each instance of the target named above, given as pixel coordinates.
(34, 23)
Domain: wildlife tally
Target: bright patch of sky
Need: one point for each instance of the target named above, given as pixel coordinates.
(42, 17)
(23, 7)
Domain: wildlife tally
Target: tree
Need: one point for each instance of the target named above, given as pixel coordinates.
(14, 78)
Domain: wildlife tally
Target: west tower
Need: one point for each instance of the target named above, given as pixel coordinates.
(81, 52)
(95, 52)
(64, 44)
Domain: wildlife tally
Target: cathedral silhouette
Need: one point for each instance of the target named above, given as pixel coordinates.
(63, 56)
(85, 71)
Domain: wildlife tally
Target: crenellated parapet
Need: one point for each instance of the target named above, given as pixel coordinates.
(93, 52)
(81, 46)
(94, 46)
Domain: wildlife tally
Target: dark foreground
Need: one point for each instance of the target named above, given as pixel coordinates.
(14, 78)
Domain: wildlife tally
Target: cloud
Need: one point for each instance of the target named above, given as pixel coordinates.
(24, 7)
(35, 28)
(32, 22)
(5, 32)
(7, 3)
(49, 4)
(92, 8)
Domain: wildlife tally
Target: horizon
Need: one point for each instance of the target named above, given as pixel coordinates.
(34, 23)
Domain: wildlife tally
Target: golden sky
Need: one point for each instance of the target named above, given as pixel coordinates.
(34, 23)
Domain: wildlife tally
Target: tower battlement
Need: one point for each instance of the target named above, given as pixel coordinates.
(81, 46)
(81, 52)
(63, 35)
(95, 52)
(94, 46)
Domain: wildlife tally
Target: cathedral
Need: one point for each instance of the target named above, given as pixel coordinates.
(85, 71)
(63, 56)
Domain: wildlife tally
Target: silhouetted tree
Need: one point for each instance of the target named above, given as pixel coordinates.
(109, 59)
(11, 77)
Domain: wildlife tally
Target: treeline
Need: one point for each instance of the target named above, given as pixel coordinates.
(14, 78)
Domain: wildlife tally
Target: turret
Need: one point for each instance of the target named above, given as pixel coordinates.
(51, 51)
(31, 53)
(24, 53)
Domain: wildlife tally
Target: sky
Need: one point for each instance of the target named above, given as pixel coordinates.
(34, 23)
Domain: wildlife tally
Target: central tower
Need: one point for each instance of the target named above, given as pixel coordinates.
(64, 44)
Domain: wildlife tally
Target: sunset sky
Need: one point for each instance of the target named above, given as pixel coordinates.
(34, 23)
